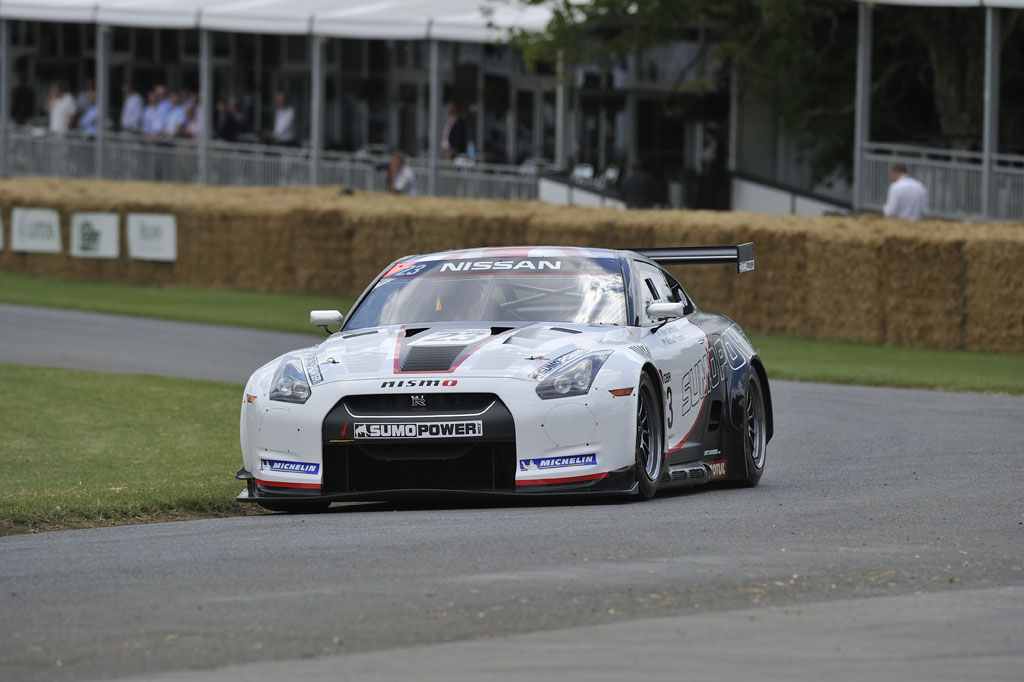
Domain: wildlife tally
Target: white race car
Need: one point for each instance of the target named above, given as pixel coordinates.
(511, 371)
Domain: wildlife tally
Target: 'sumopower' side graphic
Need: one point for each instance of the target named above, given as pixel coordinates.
(467, 429)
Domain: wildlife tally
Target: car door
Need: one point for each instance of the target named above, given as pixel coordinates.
(679, 351)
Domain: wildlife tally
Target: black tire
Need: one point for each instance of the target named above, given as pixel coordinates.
(310, 507)
(755, 430)
(650, 436)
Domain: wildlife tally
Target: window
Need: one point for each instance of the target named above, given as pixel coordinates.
(656, 285)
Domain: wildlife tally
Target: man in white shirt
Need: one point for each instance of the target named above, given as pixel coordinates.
(131, 110)
(402, 179)
(907, 198)
(284, 121)
(61, 108)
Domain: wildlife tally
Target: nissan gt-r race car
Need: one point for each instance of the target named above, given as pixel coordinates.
(512, 371)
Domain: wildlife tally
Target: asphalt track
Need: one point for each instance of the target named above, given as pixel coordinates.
(885, 542)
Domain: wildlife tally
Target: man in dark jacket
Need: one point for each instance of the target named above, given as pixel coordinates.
(22, 106)
(453, 137)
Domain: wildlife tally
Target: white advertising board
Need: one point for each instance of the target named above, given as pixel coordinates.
(152, 236)
(95, 235)
(35, 230)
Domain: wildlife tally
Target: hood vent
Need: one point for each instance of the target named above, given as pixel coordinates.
(430, 358)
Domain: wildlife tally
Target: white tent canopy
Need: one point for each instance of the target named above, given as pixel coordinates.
(455, 20)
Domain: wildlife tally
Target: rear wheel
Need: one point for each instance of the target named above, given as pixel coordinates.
(755, 431)
(649, 438)
(310, 507)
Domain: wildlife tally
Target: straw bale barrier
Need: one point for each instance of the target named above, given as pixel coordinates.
(932, 283)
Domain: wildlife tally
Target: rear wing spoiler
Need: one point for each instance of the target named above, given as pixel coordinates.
(742, 255)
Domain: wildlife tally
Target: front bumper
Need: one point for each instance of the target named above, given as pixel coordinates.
(337, 448)
(611, 485)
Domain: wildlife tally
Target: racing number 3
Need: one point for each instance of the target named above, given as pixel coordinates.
(668, 391)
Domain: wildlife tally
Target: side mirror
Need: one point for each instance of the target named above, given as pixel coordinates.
(659, 311)
(325, 318)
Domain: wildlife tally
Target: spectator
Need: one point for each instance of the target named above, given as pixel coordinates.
(163, 104)
(194, 126)
(453, 137)
(174, 124)
(229, 120)
(61, 107)
(82, 100)
(22, 106)
(284, 121)
(712, 180)
(402, 180)
(638, 188)
(151, 125)
(90, 118)
(907, 198)
(131, 109)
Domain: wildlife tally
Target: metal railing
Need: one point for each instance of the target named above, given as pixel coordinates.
(31, 151)
(953, 179)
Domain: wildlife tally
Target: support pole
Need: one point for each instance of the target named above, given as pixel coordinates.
(561, 107)
(734, 117)
(5, 89)
(435, 113)
(102, 78)
(206, 104)
(316, 113)
(862, 111)
(990, 142)
(511, 113)
(537, 131)
(481, 116)
(632, 153)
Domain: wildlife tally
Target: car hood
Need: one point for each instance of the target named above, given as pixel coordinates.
(470, 349)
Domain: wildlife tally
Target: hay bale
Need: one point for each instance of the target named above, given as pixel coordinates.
(995, 289)
(922, 285)
(843, 295)
(862, 278)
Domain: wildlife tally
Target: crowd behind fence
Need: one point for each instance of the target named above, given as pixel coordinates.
(32, 151)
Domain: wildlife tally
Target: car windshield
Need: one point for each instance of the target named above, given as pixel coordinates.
(560, 289)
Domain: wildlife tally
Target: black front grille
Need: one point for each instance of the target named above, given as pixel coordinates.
(371, 468)
(381, 404)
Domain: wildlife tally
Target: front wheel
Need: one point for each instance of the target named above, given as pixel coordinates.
(304, 507)
(649, 438)
(755, 431)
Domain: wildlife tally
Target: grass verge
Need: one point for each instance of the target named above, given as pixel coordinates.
(232, 307)
(847, 362)
(87, 449)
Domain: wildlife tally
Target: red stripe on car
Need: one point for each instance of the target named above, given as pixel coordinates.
(281, 484)
(568, 479)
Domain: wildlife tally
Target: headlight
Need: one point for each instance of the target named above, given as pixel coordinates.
(574, 377)
(290, 385)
